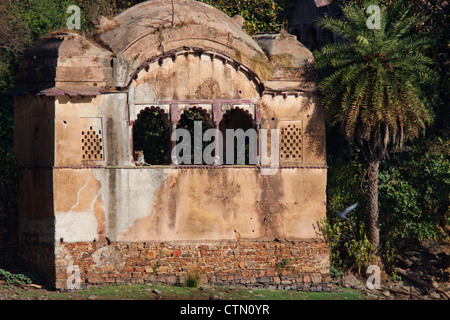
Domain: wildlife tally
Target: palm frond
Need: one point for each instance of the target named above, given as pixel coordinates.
(373, 83)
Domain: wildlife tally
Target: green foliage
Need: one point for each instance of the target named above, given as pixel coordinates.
(42, 16)
(360, 250)
(10, 166)
(436, 28)
(375, 89)
(156, 267)
(259, 15)
(192, 279)
(22, 24)
(396, 277)
(414, 188)
(349, 247)
(14, 279)
(92, 9)
(335, 273)
(283, 263)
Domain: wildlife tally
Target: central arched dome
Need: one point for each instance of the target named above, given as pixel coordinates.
(154, 27)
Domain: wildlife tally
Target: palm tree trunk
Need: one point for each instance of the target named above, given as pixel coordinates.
(372, 194)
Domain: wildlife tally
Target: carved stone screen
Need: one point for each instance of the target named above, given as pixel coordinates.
(91, 144)
(291, 150)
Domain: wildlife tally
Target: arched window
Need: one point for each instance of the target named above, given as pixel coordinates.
(187, 121)
(151, 137)
(239, 141)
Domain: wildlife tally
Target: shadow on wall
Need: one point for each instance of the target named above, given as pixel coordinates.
(10, 173)
(27, 245)
(34, 233)
(315, 131)
(315, 128)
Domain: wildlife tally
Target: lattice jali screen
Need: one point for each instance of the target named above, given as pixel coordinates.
(291, 147)
(91, 144)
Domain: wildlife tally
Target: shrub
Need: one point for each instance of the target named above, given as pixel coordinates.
(192, 279)
(14, 279)
(414, 189)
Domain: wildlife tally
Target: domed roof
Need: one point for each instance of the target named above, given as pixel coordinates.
(157, 26)
(292, 62)
(64, 63)
(283, 43)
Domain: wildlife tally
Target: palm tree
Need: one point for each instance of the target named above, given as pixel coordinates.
(372, 84)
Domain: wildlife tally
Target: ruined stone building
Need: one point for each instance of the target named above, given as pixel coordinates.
(101, 193)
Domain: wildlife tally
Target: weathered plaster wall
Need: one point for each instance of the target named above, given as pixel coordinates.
(79, 214)
(72, 116)
(304, 107)
(196, 76)
(125, 224)
(124, 202)
(198, 204)
(160, 204)
(107, 114)
(119, 222)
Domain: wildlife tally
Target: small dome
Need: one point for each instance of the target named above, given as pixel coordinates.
(283, 43)
(63, 63)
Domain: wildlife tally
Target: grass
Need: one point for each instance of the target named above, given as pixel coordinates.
(147, 292)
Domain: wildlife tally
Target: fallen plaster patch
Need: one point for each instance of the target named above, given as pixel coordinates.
(76, 226)
(140, 187)
(73, 226)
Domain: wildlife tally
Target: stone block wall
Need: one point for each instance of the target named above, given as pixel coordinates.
(298, 265)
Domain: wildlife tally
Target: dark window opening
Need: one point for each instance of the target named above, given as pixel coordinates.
(235, 119)
(187, 121)
(151, 137)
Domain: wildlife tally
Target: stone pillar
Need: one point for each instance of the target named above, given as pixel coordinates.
(217, 117)
(174, 118)
(257, 126)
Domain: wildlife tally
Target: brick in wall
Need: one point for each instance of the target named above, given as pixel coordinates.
(300, 265)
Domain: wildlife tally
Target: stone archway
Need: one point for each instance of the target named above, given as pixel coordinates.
(188, 121)
(237, 150)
